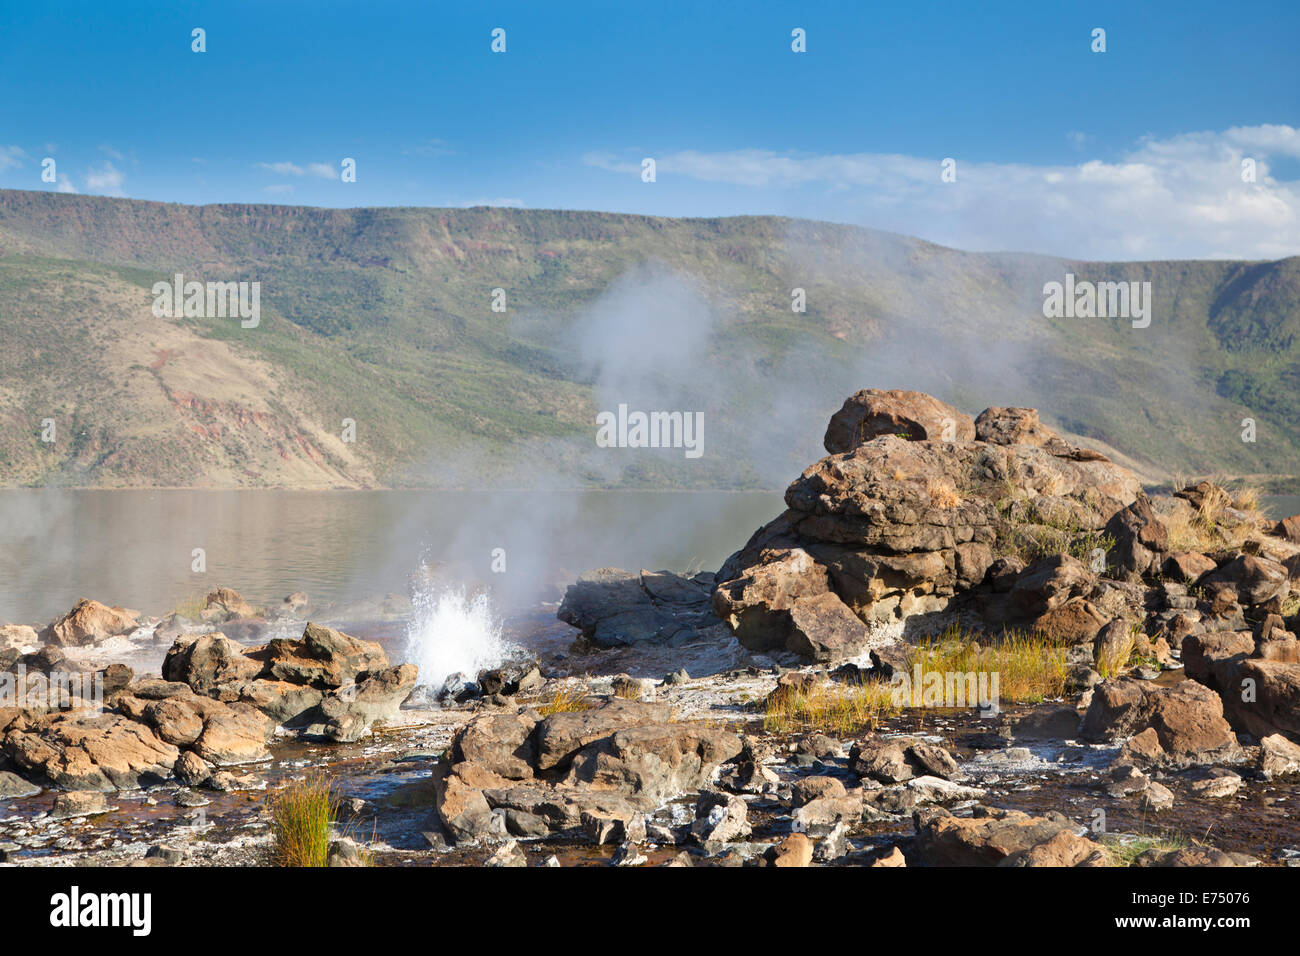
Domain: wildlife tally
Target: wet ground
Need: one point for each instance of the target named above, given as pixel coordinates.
(389, 772)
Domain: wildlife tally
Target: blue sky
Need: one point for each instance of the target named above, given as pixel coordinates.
(1130, 153)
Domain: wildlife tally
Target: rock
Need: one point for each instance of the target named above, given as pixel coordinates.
(1199, 856)
(613, 608)
(989, 838)
(510, 679)
(1278, 757)
(520, 823)
(720, 818)
(932, 759)
(1186, 717)
(560, 736)
(1062, 849)
(914, 415)
(1253, 579)
(893, 529)
(166, 855)
(822, 814)
(225, 604)
(890, 859)
(323, 658)
(208, 662)
(810, 788)
(1112, 646)
(681, 859)
(833, 845)
(880, 760)
(677, 677)
(509, 854)
(79, 803)
(1156, 796)
(796, 850)
(930, 789)
(502, 744)
(14, 787)
(18, 637)
(1140, 537)
(1215, 784)
(86, 751)
(377, 696)
(628, 854)
(191, 769)
(89, 622)
(1186, 566)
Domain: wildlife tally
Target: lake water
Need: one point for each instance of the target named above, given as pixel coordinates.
(136, 548)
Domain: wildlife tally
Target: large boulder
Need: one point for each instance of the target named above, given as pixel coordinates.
(873, 412)
(89, 622)
(84, 751)
(1187, 718)
(225, 604)
(614, 608)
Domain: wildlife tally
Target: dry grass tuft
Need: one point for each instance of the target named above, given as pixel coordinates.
(942, 493)
(302, 816)
(1030, 667)
(565, 700)
(839, 708)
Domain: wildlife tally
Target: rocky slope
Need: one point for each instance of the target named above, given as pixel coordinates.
(383, 317)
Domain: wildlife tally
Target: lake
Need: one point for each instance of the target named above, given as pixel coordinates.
(137, 548)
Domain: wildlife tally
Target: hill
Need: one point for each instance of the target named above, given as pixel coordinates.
(384, 317)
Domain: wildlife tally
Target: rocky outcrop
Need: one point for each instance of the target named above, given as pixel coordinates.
(895, 528)
(328, 683)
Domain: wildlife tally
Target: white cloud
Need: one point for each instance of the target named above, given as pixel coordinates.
(10, 157)
(106, 179)
(278, 188)
(319, 170)
(283, 169)
(1179, 197)
(65, 184)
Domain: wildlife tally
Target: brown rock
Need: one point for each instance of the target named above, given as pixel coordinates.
(916, 416)
(796, 850)
(1187, 717)
(89, 622)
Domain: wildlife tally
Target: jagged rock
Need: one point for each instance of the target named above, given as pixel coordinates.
(1140, 538)
(880, 760)
(208, 662)
(1278, 757)
(509, 854)
(1187, 566)
(351, 711)
(873, 412)
(89, 622)
(323, 658)
(13, 787)
(79, 803)
(720, 818)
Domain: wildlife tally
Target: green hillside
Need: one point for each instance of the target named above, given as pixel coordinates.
(384, 316)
